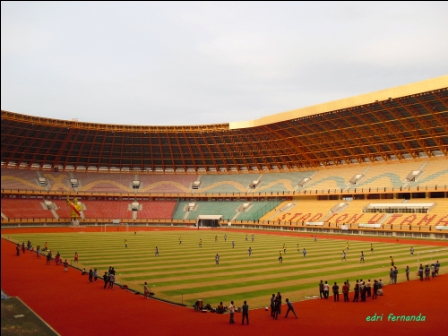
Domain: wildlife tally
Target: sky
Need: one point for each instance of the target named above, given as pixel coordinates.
(195, 63)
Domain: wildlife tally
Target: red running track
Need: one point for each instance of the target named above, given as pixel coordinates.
(73, 306)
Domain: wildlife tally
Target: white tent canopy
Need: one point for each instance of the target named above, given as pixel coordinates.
(208, 220)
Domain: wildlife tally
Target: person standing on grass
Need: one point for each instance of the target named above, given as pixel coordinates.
(290, 308)
(345, 290)
(335, 292)
(371, 247)
(246, 236)
(225, 237)
(346, 245)
(217, 259)
(280, 258)
(216, 239)
(411, 251)
(253, 237)
(245, 313)
(362, 257)
(145, 290)
(200, 242)
(249, 251)
(126, 243)
(106, 279)
(180, 240)
(157, 252)
(344, 256)
(304, 253)
(232, 313)
(75, 259)
(65, 265)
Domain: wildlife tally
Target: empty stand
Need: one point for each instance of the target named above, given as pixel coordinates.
(25, 208)
(279, 182)
(230, 183)
(156, 209)
(107, 209)
(20, 179)
(166, 183)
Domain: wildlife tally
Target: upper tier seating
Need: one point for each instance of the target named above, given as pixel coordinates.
(176, 184)
(21, 179)
(279, 182)
(231, 183)
(376, 176)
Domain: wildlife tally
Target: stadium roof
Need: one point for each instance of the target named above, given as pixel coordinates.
(400, 123)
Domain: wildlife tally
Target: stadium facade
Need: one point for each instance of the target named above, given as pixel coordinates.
(362, 153)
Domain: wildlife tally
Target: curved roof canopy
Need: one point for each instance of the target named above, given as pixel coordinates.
(405, 122)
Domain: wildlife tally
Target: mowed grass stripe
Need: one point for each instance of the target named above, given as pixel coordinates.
(188, 267)
(222, 272)
(189, 287)
(186, 281)
(232, 257)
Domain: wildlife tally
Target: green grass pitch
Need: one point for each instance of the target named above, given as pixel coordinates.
(183, 273)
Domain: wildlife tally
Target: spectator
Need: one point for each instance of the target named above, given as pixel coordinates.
(345, 290)
(335, 292)
(232, 313)
(326, 290)
(245, 313)
(290, 308)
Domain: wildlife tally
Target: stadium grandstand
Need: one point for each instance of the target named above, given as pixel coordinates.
(371, 164)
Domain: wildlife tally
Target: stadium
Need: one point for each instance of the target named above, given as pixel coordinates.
(369, 171)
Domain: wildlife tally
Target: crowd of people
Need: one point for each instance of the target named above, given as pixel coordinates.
(362, 290)
(275, 308)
